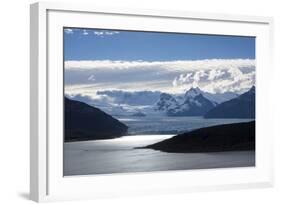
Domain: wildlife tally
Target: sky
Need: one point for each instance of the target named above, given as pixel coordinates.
(98, 60)
(93, 44)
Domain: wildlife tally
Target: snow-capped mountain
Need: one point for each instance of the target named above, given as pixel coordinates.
(193, 103)
(214, 97)
(193, 92)
(166, 102)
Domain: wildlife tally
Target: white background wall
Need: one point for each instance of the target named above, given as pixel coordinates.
(14, 101)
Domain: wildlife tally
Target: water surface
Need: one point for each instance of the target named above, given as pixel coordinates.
(170, 125)
(119, 156)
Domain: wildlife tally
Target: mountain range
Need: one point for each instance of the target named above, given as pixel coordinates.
(194, 102)
(142, 98)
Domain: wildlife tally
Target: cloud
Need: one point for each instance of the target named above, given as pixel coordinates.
(91, 78)
(212, 75)
(105, 33)
(180, 65)
(98, 33)
(111, 32)
(68, 31)
(85, 32)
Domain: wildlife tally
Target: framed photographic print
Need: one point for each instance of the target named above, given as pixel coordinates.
(127, 102)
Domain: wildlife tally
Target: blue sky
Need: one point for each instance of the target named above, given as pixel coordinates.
(95, 44)
(97, 60)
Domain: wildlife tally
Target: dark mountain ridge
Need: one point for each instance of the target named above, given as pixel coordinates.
(220, 138)
(242, 106)
(85, 122)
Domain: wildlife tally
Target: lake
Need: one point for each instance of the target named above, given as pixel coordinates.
(120, 156)
(170, 125)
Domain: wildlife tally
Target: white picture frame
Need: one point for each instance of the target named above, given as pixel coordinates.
(46, 179)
